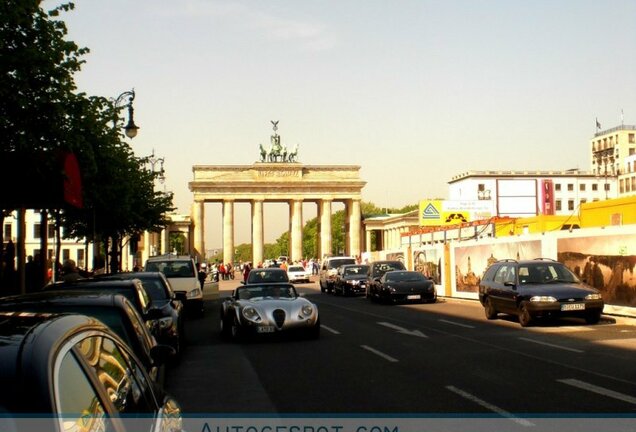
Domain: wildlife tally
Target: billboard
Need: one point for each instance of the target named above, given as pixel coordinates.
(517, 197)
(444, 212)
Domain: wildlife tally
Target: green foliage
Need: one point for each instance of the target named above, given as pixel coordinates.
(42, 115)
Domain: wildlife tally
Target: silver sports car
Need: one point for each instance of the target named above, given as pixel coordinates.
(268, 308)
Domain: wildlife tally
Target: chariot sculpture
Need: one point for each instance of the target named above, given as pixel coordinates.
(276, 151)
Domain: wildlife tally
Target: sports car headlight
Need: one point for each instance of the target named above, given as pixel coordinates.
(307, 310)
(543, 299)
(593, 297)
(251, 314)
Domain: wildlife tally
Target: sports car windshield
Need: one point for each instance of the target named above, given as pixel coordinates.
(404, 276)
(265, 291)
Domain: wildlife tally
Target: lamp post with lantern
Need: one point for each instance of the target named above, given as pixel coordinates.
(130, 129)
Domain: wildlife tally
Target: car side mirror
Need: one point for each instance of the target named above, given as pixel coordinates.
(161, 353)
(181, 296)
(511, 284)
(242, 282)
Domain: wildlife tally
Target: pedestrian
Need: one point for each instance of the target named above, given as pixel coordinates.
(70, 272)
(30, 274)
(203, 274)
(246, 271)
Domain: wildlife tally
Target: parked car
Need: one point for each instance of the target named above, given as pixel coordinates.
(170, 328)
(268, 308)
(351, 279)
(64, 372)
(377, 269)
(181, 272)
(113, 309)
(298, 273)
(132, 289)
(264, 275)
(328, 270)
(539, 288)
(405, 286)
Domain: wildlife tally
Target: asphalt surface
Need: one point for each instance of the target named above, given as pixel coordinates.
(437, 359)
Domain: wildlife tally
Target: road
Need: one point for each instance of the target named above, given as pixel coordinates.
(443, 358)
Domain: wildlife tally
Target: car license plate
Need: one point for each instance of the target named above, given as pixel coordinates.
(265, 329)
(413, 297)
(573, 306)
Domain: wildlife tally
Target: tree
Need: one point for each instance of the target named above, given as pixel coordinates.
(42, 118)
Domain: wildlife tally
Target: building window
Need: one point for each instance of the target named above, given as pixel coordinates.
(66, 254)
(607, 187)
(594, 187)
(36, 231)
(557, 186)
(557, 205)
(583, 200)
(582, 187)
(627, 185)
(595, 200)
(481, 187)
(51, 233)
(634, 184)
(570, 187)
(632, 151)
(570, 204)
(631, 138)
(7, 231)
(622, 186)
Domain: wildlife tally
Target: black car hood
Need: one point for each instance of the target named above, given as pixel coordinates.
(404, 287)
(558, 290)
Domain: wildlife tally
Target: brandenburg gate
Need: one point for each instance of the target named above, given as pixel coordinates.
(278, 178)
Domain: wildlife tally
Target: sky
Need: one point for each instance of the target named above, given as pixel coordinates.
(413, 91)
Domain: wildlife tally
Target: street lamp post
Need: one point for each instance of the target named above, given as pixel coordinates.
(153, 161)
(156, 167)
(131, 128)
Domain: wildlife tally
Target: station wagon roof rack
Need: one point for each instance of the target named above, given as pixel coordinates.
(545, 259)
(507, 260)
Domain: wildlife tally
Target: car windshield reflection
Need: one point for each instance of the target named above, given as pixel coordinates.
(265, 291)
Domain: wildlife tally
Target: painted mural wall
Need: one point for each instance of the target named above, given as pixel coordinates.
(605, 262)
(472, 261)
(429, 262)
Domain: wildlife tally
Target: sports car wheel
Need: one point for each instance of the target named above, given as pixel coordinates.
(489, 309)
(525, 319)
(225, 328)
(235, 330)
(314, 332)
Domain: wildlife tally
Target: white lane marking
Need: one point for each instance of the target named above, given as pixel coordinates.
(380, 353)
(457, 324)
(403, 330)
(552, 345)
(329, 329)
(600, 390)
(491, 407)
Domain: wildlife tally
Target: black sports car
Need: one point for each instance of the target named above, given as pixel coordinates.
(405, 286)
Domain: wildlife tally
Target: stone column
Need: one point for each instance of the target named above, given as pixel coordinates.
(197, 219)
(325, 228)
(257, 232)
(368, 240)
(355, 221)
(296, 234)
(228, 231)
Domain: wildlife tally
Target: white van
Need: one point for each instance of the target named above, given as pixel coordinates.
(181, 272)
